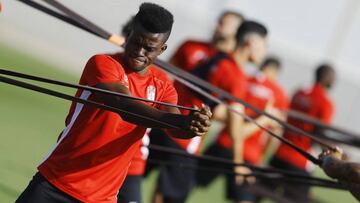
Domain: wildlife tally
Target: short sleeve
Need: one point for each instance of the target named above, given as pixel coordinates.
(103, 69)
(170, 95)
(327, 112)
(232, 79)
(238, 87)
(281, 100)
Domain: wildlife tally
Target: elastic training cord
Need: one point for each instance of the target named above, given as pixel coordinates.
(248, 118)
(92, 89)
(277, 177)
(79, 100)
(180, 73)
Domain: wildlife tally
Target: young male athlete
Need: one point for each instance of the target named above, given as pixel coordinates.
(130, 191)
(231, 141)
(316, 103)
(193, 52)
(262, 88)
(90, 161)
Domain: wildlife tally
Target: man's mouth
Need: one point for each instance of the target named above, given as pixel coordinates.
(138, 60)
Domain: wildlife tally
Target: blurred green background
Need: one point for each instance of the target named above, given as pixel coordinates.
(30, 123)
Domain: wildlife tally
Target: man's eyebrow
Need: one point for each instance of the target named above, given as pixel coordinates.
(151, 44)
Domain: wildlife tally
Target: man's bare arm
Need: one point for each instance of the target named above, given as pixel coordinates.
(194, 124)
(346, 172)
(221, 114)
(140, 108)
(335, 167)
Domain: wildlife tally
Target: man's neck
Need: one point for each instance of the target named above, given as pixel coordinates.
(143, 72)
(324, 87)
(269, 76)
(226, 45)
(240, 57)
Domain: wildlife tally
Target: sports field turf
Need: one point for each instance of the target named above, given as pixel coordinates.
(30, 123)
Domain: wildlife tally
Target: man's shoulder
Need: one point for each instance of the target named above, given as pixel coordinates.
(231, 68)
(326, 102)
(160, 77)
(158, 73)
(103, 60)
(277, 87)
(114, 58)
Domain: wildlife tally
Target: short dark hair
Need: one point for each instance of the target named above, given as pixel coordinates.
(154, 18)
(322, 70)
(234, 13)
(249, 27)
(271, 61)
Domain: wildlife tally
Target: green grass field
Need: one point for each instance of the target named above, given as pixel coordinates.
(30, 123)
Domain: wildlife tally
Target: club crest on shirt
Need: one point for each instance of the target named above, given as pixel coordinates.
(151, 92)
(126, 81)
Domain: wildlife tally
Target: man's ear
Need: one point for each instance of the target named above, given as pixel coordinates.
(163, 48)
(247, 43)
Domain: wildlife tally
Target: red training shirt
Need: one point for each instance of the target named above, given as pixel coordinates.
(138, 162)
(260, 91)
(91, 159)
(315, 103)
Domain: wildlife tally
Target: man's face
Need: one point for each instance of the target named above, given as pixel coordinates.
(257, 47)
(142, 48)
(271, 71)
(227, 26)
(329, 79)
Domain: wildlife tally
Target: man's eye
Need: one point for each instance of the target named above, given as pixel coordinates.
(150, 49)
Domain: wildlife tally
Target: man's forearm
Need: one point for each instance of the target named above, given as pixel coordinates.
(238, 151)
(342, 170)
(250, 128)
(355, 190)
(235, 125)
(158, 118)
(350, 172)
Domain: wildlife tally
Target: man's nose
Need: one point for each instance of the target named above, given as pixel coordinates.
(140, 51)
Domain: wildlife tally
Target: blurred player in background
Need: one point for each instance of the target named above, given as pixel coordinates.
(313, 102)
(229, 68)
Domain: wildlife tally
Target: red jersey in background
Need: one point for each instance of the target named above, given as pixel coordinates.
(260, 91)
(315, 103)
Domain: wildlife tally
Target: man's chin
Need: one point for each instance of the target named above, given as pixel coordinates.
(137, 68)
